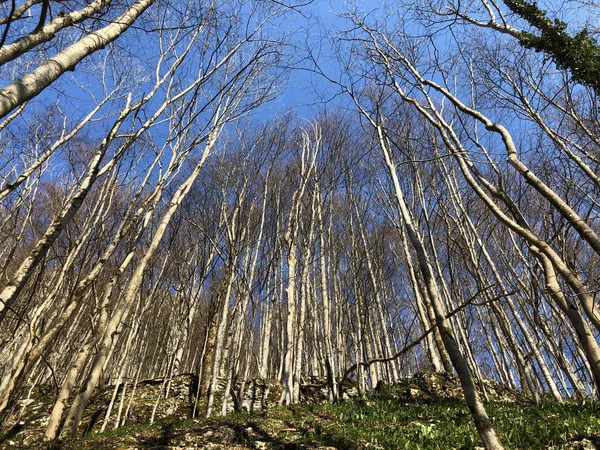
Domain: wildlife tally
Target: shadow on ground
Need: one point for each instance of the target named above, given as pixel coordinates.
(235, 435)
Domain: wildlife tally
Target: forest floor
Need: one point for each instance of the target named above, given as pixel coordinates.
(409, 415)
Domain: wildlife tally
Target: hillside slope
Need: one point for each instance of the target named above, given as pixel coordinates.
(424, 412)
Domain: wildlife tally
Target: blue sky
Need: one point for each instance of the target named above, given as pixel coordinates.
(306, 92)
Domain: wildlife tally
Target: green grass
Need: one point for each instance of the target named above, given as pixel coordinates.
(389, 424)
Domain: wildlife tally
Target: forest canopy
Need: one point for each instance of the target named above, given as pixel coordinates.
(300, 192)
